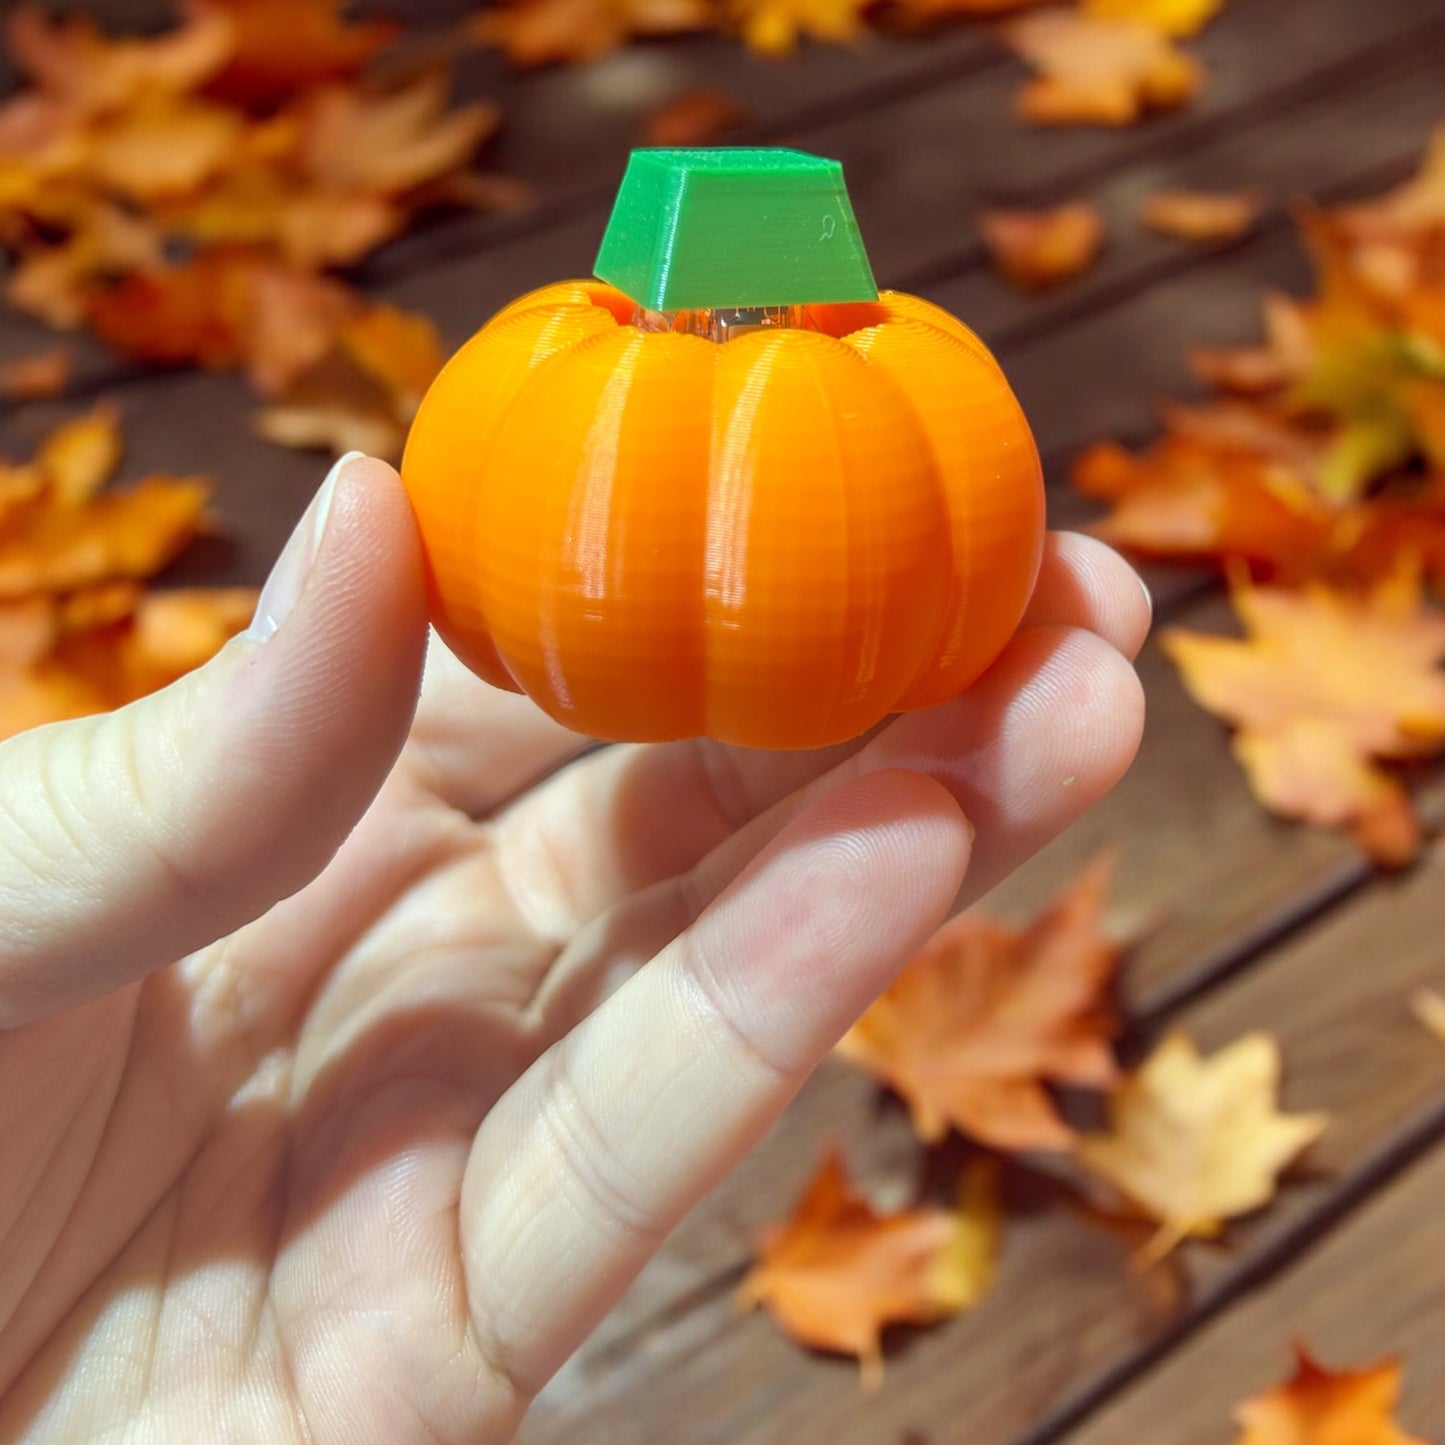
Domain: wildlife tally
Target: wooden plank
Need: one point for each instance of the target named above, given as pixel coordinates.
(1373, 1288)
(500, 257)
(1354, 138)
(1067, 1309)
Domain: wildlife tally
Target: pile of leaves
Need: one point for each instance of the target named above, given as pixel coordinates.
(193, 198)
(975, 1036)
(80, 632)
(1314, 476)
(188, 198)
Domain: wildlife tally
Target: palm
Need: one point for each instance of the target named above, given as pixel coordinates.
(273, 1191)
(268, 1139)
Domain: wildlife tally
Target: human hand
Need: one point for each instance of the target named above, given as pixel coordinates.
(352, 1062)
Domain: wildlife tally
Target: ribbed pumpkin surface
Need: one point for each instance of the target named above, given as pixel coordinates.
(776, 542)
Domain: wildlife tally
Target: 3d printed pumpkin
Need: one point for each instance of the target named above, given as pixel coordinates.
(738, 494)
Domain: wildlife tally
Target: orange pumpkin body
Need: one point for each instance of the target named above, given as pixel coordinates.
(775, 542)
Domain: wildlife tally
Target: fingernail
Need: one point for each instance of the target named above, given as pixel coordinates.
(288, 576)
(1148, 595)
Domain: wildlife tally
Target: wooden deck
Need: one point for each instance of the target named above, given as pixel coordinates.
(1245, 922)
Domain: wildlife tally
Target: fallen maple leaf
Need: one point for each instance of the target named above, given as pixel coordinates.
(838, 1271)
(57, 282)
(1282, 359)
(400, 350)
(77, 459)
(78, 632)
(1178, 18)
(1429, 1008)
(93, 74)
(130, 533)
(1098, 72)
(113, 649)
(694, 118)
(1197, 1141)
(974, 1026)
(36, 378)
(1202, 216)
(539, 32)
(774, 27)
(280, 47)
(1327, 1407)
(1034, 249)
(978, 9)
(386, 143)
(163, 149)
(1326, 682)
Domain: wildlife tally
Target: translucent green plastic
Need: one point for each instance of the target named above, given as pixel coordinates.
(734, 226)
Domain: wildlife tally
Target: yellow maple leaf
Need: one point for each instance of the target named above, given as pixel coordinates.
(1198, 1141)
(1178, 18)
(1327, 681)
(838, 1271)
(774, 27)
(1326, 1407)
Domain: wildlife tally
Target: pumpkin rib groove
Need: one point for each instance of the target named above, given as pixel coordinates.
(938, 484)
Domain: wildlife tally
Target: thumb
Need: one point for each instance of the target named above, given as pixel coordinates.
(132, 839)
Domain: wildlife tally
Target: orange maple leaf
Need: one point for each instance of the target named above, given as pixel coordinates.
(78, 633)
(838, 1271)
(539, 32)
(1327, 1407)
(694, 118)
(1326, 682)
(281, 47)
(37, 377)
(1098, 72)
(1173, 17)
(1034, 249)
(972, 1028)
(93, 74)
(1202, 216)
